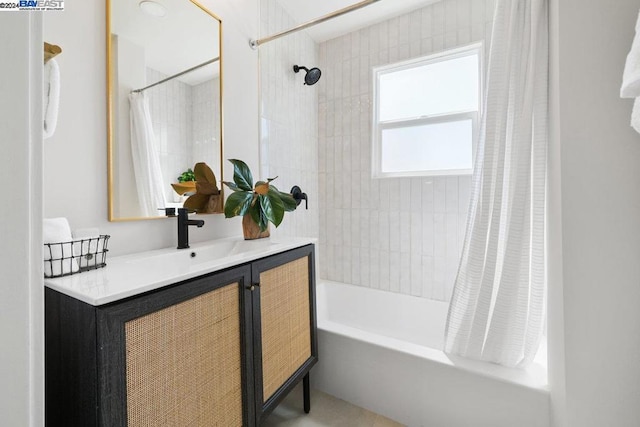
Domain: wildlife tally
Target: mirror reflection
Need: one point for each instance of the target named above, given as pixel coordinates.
(164, 104)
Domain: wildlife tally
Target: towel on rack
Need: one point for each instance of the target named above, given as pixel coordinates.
(51, 97)
(86, 244)
(631, 78)
(635, 115)
(58, 258)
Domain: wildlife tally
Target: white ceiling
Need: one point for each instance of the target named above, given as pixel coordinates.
(187, 36)
(184, 38)
(306, 10)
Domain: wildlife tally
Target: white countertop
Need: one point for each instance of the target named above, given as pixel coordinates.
(130, 275)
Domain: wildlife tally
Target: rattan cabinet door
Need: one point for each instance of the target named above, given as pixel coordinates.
(178, 357)
(284, 324)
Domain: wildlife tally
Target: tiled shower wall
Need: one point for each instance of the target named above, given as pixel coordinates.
(170, 110)
(404, 234)
(184, 125)
(205, 124)
(289, 118)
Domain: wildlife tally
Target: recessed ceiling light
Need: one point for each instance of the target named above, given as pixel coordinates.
(153, 8)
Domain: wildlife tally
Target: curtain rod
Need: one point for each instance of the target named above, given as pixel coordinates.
(255, 43)
(211, 61)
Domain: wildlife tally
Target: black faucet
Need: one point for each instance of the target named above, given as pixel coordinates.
(183, 227)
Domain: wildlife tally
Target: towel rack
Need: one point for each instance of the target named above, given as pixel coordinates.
(50, 51)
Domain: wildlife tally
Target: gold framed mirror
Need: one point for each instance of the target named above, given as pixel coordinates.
(164, 94)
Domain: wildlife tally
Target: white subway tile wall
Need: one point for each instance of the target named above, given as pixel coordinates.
(205, 122)
(405, 234)
(289, 118)
(186, 125)
(170, 109)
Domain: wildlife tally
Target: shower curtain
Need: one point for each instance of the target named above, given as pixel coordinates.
(146, 163)
(498, 308)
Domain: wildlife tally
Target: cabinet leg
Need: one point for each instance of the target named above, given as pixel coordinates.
(306, 390)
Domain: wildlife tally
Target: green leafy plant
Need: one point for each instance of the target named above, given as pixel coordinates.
(264, 202)
(187, 175)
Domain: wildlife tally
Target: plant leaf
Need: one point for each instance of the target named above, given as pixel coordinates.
(203, 173)
(237, 204)
(206, 188)
(232, 186)
(187, 175)
(258, 216)
(288, 201)
(184, 187)
(242, 175)
(262, 188)
(264, 222)
(254, 211)
(266, 208)
(277, 206)
(197, 202)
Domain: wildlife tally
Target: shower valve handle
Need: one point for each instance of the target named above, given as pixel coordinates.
(299, 196)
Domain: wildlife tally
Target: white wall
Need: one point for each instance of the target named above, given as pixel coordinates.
(600, 216)
(401, 235)
(21, 290)
(76, 156)
(289, 118)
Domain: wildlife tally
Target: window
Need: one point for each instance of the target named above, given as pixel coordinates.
(426, 114)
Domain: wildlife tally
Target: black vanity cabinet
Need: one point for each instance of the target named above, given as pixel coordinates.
(219, 350)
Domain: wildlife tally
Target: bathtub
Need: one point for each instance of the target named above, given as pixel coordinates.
(380, 351)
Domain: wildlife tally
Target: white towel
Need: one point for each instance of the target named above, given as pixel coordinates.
(635, 115)
(631, 78)
(51, 97)
(87, 245)
(57, 230)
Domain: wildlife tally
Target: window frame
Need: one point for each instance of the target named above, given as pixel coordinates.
(378, 127)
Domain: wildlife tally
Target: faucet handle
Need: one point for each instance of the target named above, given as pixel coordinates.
(168, 211)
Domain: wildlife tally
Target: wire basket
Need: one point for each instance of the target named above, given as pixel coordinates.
(67, 258)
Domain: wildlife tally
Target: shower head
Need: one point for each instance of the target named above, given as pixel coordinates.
(312, 76)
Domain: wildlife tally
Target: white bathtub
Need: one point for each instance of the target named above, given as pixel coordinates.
(380, 351)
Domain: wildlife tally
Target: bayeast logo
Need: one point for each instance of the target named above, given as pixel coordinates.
(41, 4)
(14, 6)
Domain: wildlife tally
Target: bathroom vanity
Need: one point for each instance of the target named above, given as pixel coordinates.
(215, 335)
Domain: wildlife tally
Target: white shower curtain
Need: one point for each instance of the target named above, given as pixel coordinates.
(146, 163)
(498, 308)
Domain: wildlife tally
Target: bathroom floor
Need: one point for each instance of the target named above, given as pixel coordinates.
(326, 410)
